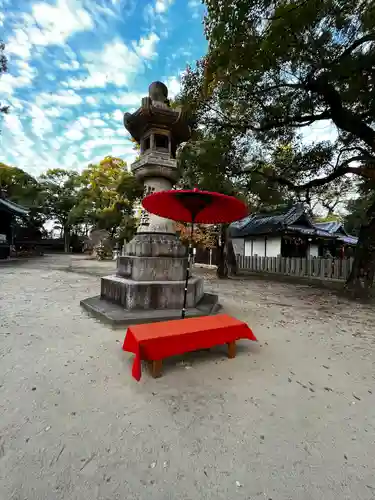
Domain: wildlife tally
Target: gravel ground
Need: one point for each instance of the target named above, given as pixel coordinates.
(290, 418)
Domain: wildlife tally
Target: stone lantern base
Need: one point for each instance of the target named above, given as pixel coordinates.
(149, 285)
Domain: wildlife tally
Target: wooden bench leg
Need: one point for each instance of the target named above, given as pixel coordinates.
(156, 368)
(231, 350)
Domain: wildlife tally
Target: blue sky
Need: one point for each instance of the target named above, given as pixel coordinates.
(75, 66)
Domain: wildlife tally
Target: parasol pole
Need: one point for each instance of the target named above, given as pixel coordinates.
(190, 259)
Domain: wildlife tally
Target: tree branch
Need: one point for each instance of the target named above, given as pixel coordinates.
(343, 169)
(296, 121)
(343, 118)
(367, 38)
(295, 7)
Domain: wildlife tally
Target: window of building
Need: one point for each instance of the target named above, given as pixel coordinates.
(161, 141)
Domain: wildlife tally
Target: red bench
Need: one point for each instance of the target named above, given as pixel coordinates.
(155, 341)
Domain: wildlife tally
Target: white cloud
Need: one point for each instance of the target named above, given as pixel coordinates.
(25, 74)
(55, 144)
(116, 63)
(97, 122)
(74, 135)
(174, 85)
(53, 112)
(146, 46)
(105, 141)
(118, 115)
(13, 124)
(112, 145)
(195, 6)
(156, 10)
(48, 25)
(41, 125)
(21, 147)
(72, 66)
(91, 100)
(161, 6)
(63, 98)
(129, 99)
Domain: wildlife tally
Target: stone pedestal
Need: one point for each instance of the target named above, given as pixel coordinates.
(150, 279)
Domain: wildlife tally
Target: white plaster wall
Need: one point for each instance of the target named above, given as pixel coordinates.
(258, 246)
(273, 248)
(248, 248)
(313, 250)
(238, 246)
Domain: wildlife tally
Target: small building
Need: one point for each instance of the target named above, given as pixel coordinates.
(8, 212)
(343, 243)
(286, 233)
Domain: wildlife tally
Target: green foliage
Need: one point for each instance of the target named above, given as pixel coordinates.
(18, 186)
(60, 188)
(102, 196)
(3, 69)
(275, 68)
(107, 196)
(209, 162)
(22, 188)
(357, 207)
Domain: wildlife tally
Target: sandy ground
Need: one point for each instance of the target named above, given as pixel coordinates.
(290, 418)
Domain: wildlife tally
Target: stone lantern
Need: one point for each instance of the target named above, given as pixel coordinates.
(149, 281)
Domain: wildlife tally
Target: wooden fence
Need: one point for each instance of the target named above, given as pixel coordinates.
(338, 269)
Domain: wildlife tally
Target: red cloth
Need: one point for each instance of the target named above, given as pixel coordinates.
(155, 341)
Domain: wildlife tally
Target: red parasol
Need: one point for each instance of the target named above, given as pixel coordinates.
(194, 206)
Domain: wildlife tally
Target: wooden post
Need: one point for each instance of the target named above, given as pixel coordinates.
(279, 264)
(156, 368)
(344, 269)
(323, 264)
(309, 267)
(231, 350)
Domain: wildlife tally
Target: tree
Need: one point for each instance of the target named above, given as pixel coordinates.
(23, 189)
(204, 235)
(210, 162)
(213, 160)
(273, 69)
(107, 196)
(61, 196)
(3, 69)
(357, 207)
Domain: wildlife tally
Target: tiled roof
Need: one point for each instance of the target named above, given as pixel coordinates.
(292, 219)
(309, 230)
(13, 207)
(349, 240)
(332, 227)
(270, 223)
(336, 228)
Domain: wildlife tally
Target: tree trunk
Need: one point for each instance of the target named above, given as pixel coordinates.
(66, 240)
(222, 268)
(227, 260)
(361, 278)
(231, 258)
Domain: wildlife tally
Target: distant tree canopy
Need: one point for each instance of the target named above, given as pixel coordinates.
(102, 196)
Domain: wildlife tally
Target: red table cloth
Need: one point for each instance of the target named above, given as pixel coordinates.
(155, 341)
